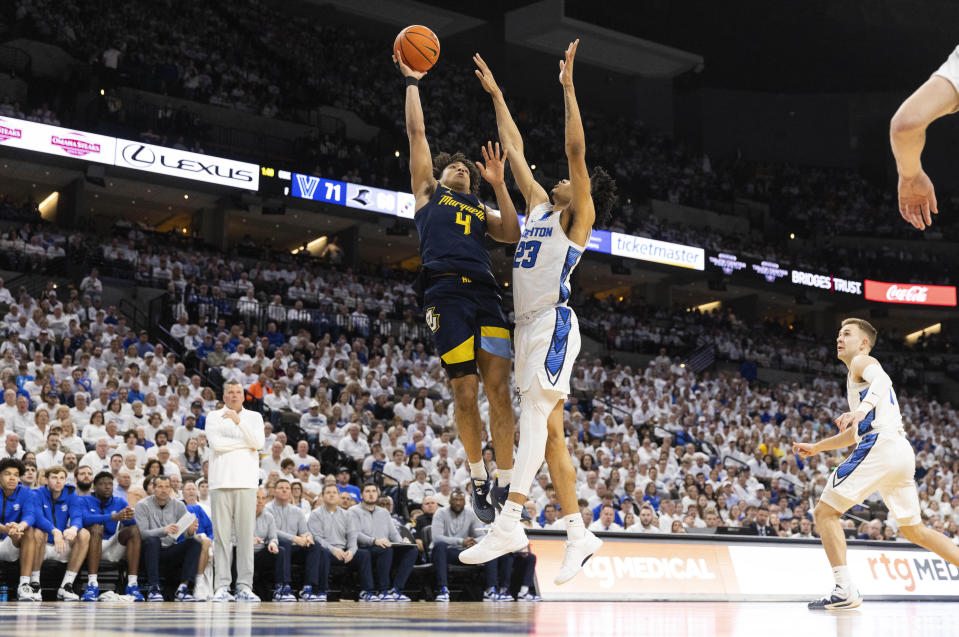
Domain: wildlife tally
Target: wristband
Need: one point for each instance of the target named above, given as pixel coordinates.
(412, 81)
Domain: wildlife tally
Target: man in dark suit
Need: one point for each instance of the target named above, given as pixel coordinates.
(761, 526)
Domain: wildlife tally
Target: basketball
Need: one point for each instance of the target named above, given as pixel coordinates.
(418, 47)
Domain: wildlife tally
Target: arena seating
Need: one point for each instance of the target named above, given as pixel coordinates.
(278, 77)
(350, 351)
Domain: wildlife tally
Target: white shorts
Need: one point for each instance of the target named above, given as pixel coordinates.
(884, 463)
(950, 69)
(113, 551)
(51, 553)
(547, 344)
(9, 552)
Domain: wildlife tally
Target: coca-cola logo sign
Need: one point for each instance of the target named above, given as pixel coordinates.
(911, 293)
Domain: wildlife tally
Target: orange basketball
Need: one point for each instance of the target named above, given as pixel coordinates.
(418, 47)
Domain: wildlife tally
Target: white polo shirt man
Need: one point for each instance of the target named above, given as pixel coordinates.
(235, 435)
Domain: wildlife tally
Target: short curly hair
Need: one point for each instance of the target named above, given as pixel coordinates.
(602, 188)
(441, 161)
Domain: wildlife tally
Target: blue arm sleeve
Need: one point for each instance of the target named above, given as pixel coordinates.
(29, 511)
(76, 509)
(90, 518)
(40, 520)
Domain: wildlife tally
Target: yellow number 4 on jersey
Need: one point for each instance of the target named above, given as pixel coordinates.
(464, 220)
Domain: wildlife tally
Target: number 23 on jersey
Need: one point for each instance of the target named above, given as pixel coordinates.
(526, 252)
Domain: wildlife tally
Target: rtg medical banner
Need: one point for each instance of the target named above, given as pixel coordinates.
(691, 568)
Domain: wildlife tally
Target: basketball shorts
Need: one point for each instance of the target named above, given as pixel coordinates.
(51, 553)
(883, 462)
(465, 316)
(547, 344)
(950, 69)
(113, 551)
(8, 551)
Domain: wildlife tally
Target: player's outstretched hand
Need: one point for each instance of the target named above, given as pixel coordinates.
(847, 419)
(804, 449)
(566, 64)
(485, 76)
(493, 166)
(406, 71)
(917, 200)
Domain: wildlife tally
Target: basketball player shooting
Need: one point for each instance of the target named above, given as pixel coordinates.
(883, 460)
(547, 331)
(938, 96)
(462, 304)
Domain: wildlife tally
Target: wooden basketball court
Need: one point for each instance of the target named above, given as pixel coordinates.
(575, 619)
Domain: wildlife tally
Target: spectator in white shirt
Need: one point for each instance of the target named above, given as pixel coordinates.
(51, 455)
(23, 419)
(646, 523)
(331, 434)
(353, 445)
(9, 407)
(5, 296)
(312, 422)
(130, 446)
(99, 459)
(606, 521)
(69, 441)
(91, 284)
(35, 439)
(300, 402)
(95, 430)
(169, 466)
(405, 409)
(187, 431)
(181, 328)
(11, 447)
(419, 488)
(81, 411)
(271, 463)
(397, 470)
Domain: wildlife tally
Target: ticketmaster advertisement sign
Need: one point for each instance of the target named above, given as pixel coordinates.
(644, 249)
(641, 568)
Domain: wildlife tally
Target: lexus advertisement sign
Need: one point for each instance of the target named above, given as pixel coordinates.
(911, 293)
(187, 165)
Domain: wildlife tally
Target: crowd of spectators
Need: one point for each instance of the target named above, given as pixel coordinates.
(668, 449)
(272, 63)
(645, 329)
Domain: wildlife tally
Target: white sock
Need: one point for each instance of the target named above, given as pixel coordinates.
(522, 591)
(24, 579)
(503, 476)
(35, 577)
(68, 578)
(510, 515)
(478, 470)
(575, 529)
(92, 579)
(843, 580)
(131, 580)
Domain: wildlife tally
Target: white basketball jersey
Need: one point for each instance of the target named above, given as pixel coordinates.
(886, 416)
(543, 262)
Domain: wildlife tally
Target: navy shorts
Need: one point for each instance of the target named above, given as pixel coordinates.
(465, 316)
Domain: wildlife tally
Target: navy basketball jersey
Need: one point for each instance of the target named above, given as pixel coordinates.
(452, 228)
